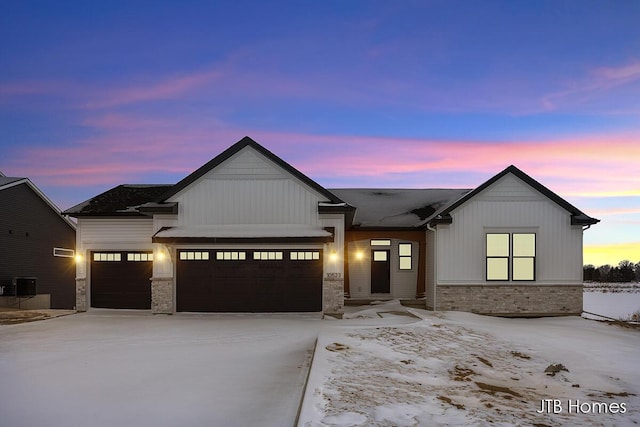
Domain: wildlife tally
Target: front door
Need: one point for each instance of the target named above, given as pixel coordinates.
(380, 271)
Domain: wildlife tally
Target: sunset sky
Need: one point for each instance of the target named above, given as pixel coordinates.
(424, 94)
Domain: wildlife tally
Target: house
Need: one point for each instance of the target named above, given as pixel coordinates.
(37, 268)
(249, 232)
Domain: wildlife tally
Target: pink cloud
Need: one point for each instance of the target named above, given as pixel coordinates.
(169, 88)
(599, 83)
(578, 167)
(134, 147)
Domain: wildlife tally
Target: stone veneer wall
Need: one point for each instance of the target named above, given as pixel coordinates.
(511, 300)
(81, 294)
(162, 295)
(333, 294)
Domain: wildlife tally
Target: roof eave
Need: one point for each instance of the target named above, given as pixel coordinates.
(582, 219)
(158, 208)
(104, 214)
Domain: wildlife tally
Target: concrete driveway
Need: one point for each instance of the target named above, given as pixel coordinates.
(127, 368)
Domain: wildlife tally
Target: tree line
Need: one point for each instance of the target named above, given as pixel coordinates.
(625, 271)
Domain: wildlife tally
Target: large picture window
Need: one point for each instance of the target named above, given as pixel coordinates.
(511, 255)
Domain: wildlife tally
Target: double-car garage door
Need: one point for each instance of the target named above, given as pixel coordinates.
(271, 280)
(249, 280)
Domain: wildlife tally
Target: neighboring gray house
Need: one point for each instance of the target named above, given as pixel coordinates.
(248, 232)
(36, 249)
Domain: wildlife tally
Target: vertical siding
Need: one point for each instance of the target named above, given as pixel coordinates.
(509, 205)
(114, 233)
(248, 189)
(337, 222)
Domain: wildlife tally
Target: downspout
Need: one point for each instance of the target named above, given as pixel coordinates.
(435, 263)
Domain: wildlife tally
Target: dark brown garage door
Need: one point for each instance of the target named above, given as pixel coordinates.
(249, 281)
(121, 280)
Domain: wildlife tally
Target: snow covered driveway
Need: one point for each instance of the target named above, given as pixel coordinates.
(112, 368)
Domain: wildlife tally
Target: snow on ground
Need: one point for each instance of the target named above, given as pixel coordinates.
(615, 300)
(126, 368)
(463, 369)
(379, 366)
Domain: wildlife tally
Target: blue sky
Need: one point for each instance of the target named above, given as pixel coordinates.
(353, 93)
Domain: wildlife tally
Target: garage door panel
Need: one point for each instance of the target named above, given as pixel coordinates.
(263, 281)
(119, 283)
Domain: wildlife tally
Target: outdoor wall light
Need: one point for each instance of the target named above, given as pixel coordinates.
(78, 258)
(161, 256)
(333, 256)
(359, 255)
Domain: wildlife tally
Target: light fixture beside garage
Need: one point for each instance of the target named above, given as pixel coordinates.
(333, 256)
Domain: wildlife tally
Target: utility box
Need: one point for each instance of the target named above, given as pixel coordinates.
(25, 286)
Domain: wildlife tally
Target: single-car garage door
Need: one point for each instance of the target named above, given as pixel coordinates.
(121, 280)
(249, 280)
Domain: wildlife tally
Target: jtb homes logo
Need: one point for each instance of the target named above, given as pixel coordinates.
(557, 406)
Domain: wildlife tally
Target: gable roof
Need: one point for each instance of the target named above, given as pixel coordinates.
(235, 148)
(391, 208)
(577, 216)
(122, 200)
(9, 182)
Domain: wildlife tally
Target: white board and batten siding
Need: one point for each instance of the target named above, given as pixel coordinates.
(114, 233)
(248, 188)
(111, 234)
(509, 205)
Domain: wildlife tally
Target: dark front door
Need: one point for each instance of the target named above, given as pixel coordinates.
(380, 272)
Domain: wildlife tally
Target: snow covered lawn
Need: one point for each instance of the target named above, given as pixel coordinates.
(113, 368)
(463, 369)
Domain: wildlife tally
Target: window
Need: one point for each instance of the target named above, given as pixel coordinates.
(62, 252)
(524, 256)
(380, 242)
(380, 255)
(194, 256)
(139, 256)
(404, 252)
(304, 256)
(267, 256)
(107, 257)
(231, 256)
(511, 254)
(497, 256)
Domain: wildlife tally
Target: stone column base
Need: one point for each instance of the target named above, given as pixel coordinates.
(333, 295)
(162, 295)
(81, 294)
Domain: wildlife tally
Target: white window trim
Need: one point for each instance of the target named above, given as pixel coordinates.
(64, 253)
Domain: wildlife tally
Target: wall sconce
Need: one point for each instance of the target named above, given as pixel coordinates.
(78, 258)
(333, 256)
(359, 255)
